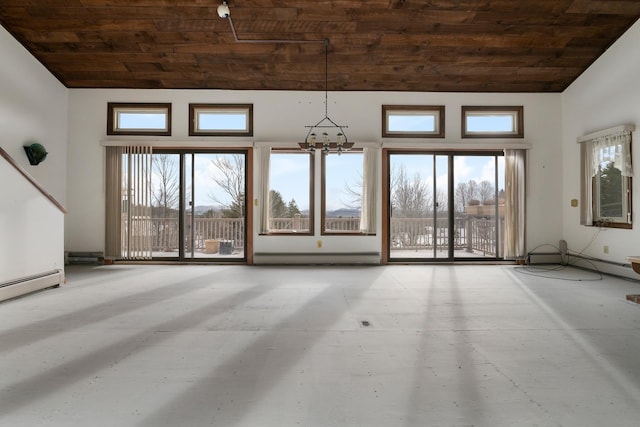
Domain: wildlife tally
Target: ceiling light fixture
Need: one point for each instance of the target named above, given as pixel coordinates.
(318, 136)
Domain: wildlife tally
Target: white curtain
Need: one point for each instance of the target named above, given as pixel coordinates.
(515, 160)
(129, 231)
(369, 190)
(586, 183)
(264, 157)
(615, 148)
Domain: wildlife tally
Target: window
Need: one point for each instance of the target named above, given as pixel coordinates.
(138, 119)
(413, 121)
(606, 179)
(290, 192)
(221, 119)
(492, 122)
(342, 188)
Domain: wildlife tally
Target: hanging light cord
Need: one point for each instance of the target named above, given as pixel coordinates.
(224, 13)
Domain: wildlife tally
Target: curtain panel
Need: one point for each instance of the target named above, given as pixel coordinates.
(368, 217)
(615, 148)
(515, 175)
(264, 162)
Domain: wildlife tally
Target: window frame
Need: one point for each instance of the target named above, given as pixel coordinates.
(438, 111)
(323, 199)
(114, 108)
(589, 184)
(626, 193)
(310, 231)
(195, 109)
(517, 112)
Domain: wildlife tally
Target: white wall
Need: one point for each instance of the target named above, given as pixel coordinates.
(281, 117)
(33, 107)
(606, 95)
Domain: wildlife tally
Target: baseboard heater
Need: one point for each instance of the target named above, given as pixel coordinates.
(316, 258)
(94, 258)
(29, 284)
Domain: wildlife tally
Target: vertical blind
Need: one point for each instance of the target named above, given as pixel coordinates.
(128, 202)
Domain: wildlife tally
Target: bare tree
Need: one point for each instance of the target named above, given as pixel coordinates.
(166, 193)
(354, 192)
(165, 198)
(487, 192)
(409, 198)
(230, 179)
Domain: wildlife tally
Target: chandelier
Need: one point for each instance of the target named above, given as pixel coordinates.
(326, 135)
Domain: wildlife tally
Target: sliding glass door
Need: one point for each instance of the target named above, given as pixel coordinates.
(198, 204)
(445, 206)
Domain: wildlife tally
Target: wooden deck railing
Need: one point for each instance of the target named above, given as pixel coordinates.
(469, 233)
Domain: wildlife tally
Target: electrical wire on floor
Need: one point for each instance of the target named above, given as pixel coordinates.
(565, 262)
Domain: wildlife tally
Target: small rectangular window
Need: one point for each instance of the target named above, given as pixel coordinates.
(221, 119)
(413, 121)
(131, 118)
(492, 122)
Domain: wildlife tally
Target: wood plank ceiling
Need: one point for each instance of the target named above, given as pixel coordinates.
(398, 45)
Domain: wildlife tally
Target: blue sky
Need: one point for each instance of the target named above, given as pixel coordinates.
(289, 174)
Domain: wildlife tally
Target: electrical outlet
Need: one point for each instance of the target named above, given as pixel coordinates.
(319, 244)
(606, 249)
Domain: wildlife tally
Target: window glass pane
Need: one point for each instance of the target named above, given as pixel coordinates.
(490, 123)
(343, 192)
(222, 120)
(411, 122)
(143, 120)
(138, 118)
(610, 192)
(290, 193)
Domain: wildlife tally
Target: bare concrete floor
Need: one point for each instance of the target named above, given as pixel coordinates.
(128, 345)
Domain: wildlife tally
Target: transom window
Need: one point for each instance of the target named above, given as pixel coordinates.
(221, 119)
(492, 122)
(138, 119)
(413, 121)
